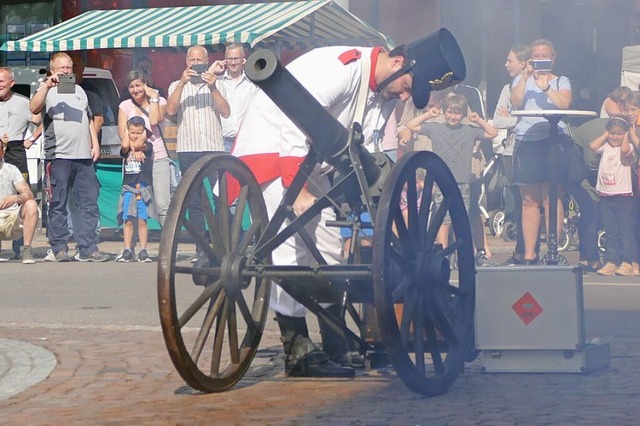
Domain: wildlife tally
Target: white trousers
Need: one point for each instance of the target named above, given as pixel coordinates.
(293, 251)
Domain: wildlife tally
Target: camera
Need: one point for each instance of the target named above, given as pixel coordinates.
(199, 68)
(66, 83)
(544, 65)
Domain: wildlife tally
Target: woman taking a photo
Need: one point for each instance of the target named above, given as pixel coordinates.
(146, 103)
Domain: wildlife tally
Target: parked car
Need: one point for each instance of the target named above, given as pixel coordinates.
(27, 80)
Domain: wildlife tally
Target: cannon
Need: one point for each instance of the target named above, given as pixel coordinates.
(398, 298)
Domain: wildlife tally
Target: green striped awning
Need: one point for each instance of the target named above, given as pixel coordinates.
(299, 24)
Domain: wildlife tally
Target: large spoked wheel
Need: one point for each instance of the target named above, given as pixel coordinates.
(212, 316)
(425, 319)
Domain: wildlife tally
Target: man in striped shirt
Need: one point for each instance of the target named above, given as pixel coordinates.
(198, 103)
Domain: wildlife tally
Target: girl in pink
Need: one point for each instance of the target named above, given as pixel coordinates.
(616, 197)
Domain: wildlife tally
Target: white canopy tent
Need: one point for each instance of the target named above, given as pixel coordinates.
(301, 24)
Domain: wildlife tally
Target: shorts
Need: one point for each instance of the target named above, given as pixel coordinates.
(10, 224)
(465, 191)
(142, 211)
(530, 162)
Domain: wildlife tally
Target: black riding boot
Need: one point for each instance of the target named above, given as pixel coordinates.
(337, 347)
(302, 357)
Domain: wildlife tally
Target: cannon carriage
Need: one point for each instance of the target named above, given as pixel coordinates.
(396, 297)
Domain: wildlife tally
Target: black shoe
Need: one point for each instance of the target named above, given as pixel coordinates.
(302, 357)
(339, 349)
(317, 364)
(530, 262)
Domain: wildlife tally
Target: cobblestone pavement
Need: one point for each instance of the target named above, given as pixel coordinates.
(119, 375)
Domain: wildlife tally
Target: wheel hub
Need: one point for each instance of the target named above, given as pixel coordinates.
(231, 272)
(431, 268)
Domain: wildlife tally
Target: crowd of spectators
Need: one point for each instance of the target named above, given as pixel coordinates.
(209, 106)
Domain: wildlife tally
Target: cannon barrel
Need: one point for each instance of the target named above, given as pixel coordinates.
(328, 138)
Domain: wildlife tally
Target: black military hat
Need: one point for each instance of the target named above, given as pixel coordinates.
(436, 62)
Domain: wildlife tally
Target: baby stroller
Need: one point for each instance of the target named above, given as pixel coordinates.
(492, 194)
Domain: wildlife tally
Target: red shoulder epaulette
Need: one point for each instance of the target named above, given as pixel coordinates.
(350, 56)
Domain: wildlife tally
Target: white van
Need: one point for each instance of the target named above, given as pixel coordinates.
(27, 80)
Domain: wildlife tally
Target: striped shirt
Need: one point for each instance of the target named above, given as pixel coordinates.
(199, 126)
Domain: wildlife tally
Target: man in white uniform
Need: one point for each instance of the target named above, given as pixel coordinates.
(273, 148)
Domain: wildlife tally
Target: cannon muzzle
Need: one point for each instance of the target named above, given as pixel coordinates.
(327, 137)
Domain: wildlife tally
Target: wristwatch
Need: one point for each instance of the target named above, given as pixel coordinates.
(154, 100)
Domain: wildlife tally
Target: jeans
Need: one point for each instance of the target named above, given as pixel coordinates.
(161, 190)
(228, 143)
(79, 176)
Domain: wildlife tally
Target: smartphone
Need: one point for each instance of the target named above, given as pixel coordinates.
(199, 68)
(66, 83)
(543, 65)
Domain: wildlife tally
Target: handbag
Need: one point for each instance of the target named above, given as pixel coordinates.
(574, 169)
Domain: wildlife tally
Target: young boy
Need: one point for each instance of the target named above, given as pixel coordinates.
(137, 193)
(452, 133)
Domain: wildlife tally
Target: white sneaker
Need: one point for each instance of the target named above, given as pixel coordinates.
(50, 257)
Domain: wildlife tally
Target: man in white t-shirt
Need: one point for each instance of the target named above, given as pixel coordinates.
(18, 209)
(238, 90)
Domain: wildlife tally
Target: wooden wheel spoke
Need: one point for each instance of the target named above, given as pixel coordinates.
(452, 247)
(402, 238)
(212, 251)
(218, 341)
(425, 205)
(436, 222)
(232, 328)
(432, 340)
(398, 293)
(441, 321)
(248, 237)
(398, 257)
(245, 312)
(412, 209)
(453, 290)
(223, 211)
(236, 226)
(215, 234)
(407, 317)
(418, 335)
(207, 294)
(212, 313)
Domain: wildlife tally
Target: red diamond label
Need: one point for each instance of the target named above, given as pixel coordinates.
(527, 308)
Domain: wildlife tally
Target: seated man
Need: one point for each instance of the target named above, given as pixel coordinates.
(18, 209)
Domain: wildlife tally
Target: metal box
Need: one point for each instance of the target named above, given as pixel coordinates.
(531, 319)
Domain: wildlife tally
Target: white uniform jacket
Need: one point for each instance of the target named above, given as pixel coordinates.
(272, 146)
